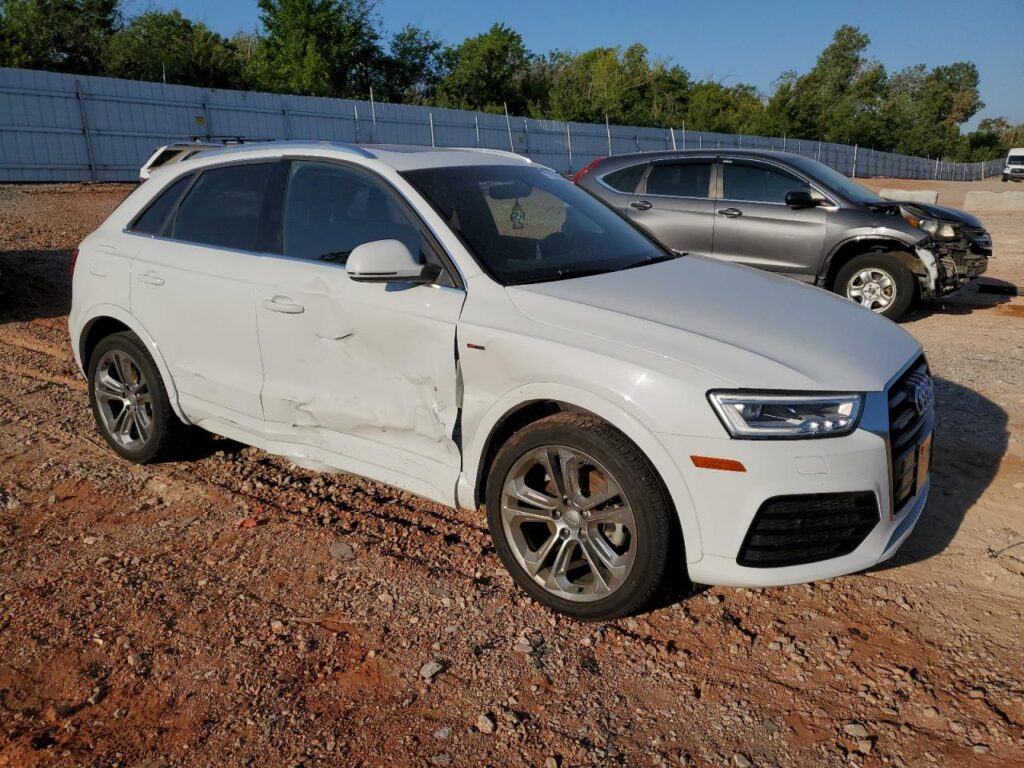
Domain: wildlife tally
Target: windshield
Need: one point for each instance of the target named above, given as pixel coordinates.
(834, 180)
(1015, 160)
(526, 224)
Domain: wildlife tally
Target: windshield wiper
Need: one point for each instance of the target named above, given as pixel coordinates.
(568, 274)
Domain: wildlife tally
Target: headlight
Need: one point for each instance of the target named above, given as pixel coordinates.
(753, 415)
(942, 230)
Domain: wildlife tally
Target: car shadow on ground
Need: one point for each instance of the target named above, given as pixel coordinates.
(34, 285)
(983, 294)
(971, 438)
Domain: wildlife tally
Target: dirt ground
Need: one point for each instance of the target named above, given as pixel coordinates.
(141, 625)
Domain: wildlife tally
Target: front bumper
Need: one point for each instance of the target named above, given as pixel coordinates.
(727, 503)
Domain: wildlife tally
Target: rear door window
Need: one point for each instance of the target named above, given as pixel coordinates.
(680, 179)
(224, 207)
(758, 184)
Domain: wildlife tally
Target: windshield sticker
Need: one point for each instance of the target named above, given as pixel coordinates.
(518, 216)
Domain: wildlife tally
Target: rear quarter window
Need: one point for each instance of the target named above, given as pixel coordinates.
(154, 218)
(625, 180)
(224, 207)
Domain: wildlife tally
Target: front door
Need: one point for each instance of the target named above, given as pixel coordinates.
(754, 226)
(364, 370)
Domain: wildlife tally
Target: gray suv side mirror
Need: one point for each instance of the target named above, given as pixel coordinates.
(387, 261)
(801, 198)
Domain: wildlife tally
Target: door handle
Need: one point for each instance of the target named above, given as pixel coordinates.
(151, 278)
(641, 205)
(283, 305)
(731, 213)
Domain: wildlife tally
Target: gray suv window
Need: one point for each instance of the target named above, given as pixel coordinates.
(758, 184)
(680, 179)
(625, 179)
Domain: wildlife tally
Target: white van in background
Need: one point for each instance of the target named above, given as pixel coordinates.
(1013, 170)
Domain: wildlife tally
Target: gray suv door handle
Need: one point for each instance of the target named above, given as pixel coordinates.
(731, 213)
(641, 205)
(282, 305)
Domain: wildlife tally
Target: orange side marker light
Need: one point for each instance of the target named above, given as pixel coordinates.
(710, 462)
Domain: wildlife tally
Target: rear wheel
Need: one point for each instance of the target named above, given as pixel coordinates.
(879, 282)
(129, 400)
(579, 517)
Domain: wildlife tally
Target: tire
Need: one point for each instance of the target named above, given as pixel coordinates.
(627, 531)
(877, 281)
(146, 429)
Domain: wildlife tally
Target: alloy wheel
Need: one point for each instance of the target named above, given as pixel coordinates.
(124, 400)
(568, 523)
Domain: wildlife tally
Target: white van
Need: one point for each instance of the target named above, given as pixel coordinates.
(1013, 170)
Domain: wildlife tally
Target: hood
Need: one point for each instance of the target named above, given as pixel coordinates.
(943, 212)
(740, 326)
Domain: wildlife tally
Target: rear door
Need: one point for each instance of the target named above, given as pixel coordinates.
(754, 226)
(192, 286)
(676, 205)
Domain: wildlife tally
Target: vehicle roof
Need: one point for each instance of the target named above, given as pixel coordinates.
(768, 154)
(397, 156)
(1016, 151)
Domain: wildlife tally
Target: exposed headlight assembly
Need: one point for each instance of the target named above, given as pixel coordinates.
(943, 230)
(751, 415)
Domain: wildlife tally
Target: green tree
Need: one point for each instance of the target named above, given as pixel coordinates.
(319, 47)
(486, 71)
(58, 35)
(735, 109)
(157, 45)
(411, 70)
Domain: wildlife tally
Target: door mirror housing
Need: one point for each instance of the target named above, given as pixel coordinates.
(387, 261)
(801, 198)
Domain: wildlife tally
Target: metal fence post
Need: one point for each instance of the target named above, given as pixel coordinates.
(85, 131)
(608, 130)
(430, 121)
(684, 135)
(568, 143)
(672, 133)
(854, 174)
(355, 112)
(508, 124)
(526, 132)
(287, 127)
(476, 122)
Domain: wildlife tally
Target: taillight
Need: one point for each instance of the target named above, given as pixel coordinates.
(71, 264)
(586, 169)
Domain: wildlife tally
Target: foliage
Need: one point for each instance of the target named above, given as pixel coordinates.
(337, 48)
(167, 46)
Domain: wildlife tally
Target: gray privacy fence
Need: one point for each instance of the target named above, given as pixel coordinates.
(58, 127)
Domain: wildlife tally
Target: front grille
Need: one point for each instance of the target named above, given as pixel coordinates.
(795, 530)
(910, 422)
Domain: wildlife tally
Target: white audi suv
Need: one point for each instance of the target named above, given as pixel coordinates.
(470, 327)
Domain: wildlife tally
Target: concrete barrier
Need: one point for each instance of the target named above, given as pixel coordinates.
(994, 201)
(911, 195)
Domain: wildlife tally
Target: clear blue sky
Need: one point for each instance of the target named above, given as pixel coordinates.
(733, 41)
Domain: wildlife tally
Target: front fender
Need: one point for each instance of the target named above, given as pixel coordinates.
(81, 322)
(476, 444)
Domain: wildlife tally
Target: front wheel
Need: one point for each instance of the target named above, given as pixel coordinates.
(879, 282)
(579, 517)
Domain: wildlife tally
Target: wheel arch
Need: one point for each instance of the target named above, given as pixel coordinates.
(107, 319)
(860, 245)
(526, 405)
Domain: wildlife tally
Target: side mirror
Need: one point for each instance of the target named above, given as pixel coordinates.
(801, 198)
(387, 261)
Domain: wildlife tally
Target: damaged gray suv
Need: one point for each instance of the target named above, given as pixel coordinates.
(789, 214)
